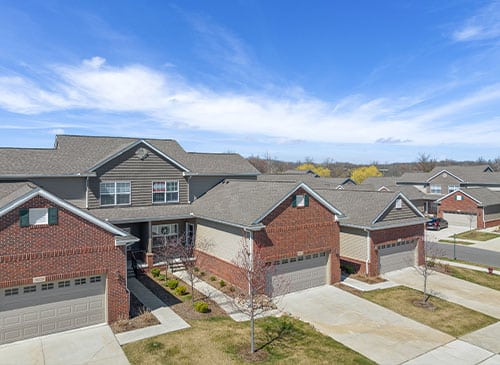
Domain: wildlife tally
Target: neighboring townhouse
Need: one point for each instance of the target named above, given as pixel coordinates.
(310, 178)
(472, 207)
(61, 267)
(379, 231)
(292, 227)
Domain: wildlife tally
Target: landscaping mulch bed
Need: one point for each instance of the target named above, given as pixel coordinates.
(139, 318)
(368, 279)
(182, 308)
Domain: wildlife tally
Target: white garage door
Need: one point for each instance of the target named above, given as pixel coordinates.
(298, 273)
(462, 220)
(40, 309)
(397, 255)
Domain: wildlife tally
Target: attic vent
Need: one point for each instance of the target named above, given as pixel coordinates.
(445, 175)
(142, 153)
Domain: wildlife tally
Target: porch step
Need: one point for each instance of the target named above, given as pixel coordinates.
(176, 266)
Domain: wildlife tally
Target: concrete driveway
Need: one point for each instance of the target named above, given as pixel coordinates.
(91, 345)
(467, 294)
(378, 333)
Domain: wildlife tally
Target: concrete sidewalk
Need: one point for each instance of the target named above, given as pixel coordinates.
(467, 266)
(467, 294)
(362, 286)
(454, 353)
(224, 301)
(169, 320)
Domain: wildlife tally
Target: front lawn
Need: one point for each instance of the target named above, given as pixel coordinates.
(220, 340)
(478, 277)
(477, 235)
(458, 242)
(447, 317)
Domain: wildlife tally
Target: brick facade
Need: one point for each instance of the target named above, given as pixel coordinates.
(466, 205)
(72, 248)
(391, 235)
(290, 231)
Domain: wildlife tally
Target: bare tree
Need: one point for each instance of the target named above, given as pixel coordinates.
(425, 162)
(428, 267)
(252, 270)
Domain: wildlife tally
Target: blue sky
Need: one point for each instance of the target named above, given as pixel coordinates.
(358, 81)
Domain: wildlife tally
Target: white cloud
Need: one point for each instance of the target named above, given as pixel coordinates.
(484, 25)
(168, 101)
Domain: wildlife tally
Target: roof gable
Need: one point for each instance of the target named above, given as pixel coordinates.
(444, 173)
(392, 213)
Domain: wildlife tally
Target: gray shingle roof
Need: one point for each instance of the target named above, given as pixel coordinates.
(379, 181)
(486, 196)
(12, 191)
(75, 155)
(469, 174)
(309, 179)
(241, 202)
(141, 214)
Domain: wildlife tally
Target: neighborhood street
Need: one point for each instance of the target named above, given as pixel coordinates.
(467, 253)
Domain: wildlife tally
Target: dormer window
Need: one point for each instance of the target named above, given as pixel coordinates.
(399, 203)
(37, 216)
(300, 200)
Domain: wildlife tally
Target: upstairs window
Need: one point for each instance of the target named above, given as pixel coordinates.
(115, 193)
(166, 191)
(452, 188)
(435, 189)
(38, 216)
(300, 200)
(399, 203)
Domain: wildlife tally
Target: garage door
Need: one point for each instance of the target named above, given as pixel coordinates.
(44, 308)
(396, 255)
(463, 220)
(298, 273)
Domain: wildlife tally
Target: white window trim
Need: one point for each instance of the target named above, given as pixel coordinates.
(300, 200)
(115, 182)
(436, 185)
(38, 216)
(176, 234)
(165, 201)
(452, 188)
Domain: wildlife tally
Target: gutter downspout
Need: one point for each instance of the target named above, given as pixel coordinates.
(87, 193)
(189, 190)
(368, 251)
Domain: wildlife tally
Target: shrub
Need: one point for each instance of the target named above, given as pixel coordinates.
(202, 273)
(181, 290)
(232, 289)
(172, 283)
(161, 277)
(155, 272)
(213, 278)
(201, 307)
(196, 269)
(222, 283)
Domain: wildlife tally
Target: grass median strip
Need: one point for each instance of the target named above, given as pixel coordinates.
(477, 235)
(476, 277)
(447, 317)
(458, 242)
(220, 340)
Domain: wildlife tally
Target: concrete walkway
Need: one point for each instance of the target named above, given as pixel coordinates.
(454, 353)
(362, 286)
(467, 294)
(169, 320)
(372, 330)
(224, 301)
(90, 346)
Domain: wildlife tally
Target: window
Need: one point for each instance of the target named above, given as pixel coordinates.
(164, 232)
(322, 254)
(452, 188)
(293, 259)
(301, 258)
(399, 204)
(435, 189)
(300, 200)
(63, 284)
(165, 191)
(115, 193)
(37, 216)
(29, 289)
(308, 257)
(81, 281)
(95, 279)
(284, 261)
(459, 197)
(48, 286)
(12, 291)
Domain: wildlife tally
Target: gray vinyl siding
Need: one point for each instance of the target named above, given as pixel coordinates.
(69, 189)
(444, 182)
(141, 174)
(491, 212)
(393, 214)
(353, 243)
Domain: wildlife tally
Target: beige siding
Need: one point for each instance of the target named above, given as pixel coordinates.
(393, 214)
(444, 181)
(69, 189)
(141, 174)
(353, 244)
(219, 240)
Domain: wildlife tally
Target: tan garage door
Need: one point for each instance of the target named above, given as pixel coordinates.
(40, 309)
(396, 255)
(462, 220)
(298, 273)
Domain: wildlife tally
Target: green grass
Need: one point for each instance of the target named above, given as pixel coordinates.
(466, 262)
(476, 277)
(447, 317)
(220, 340)
(477, 235)
(458, 242)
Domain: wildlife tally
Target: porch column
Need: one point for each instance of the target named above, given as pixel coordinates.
(149, 254)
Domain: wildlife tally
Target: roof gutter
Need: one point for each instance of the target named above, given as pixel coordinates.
(242, 226)
(372, 228)
(220, 174)
(17, 177)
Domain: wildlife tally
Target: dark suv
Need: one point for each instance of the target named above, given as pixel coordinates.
(436, 224)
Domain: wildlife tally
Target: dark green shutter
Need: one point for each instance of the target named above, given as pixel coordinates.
(53, 217)
(306, 200)
(24, 217)
(294, 201)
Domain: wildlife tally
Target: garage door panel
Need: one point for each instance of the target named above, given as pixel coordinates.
(397, 257)
(461, 220)
(52, 311)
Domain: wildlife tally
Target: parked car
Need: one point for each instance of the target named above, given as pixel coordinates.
(436, 224)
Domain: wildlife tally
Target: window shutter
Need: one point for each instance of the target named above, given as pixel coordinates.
(306, 200)
(294, 201)
(24, 217)
(53, 216)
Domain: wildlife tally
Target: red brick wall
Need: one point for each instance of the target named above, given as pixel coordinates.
(492, 223)
(222, 269)
(290, 230)
(466, 205)
(72, 248)
(392, 235)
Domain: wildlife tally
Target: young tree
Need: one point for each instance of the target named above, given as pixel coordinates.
(428, 267)
(425, 162)
(361, 173)
(317, 169)
(252, 271)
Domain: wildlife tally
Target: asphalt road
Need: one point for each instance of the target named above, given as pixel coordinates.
(466, 253)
